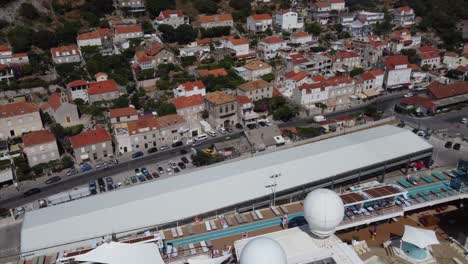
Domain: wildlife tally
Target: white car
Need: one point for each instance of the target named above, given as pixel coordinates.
(189, 142)
(172, 164)
(211, 133)
(421, 133)
(408, 95)
(464, 120)
(222, 130)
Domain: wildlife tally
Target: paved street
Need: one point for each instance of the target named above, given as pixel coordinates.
(12, 198)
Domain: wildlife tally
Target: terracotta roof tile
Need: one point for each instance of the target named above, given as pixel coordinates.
(94, 34)
(300, 34)
(170, 120)
(424, 49)
(405, 9)
(128, 29)
(90, 137)
(19, 108)
(214, 18)
(136, 127)
(4, 48)
(189, 86)
(77, 83)
(70, 49)
(272, 40)
(37, 137)
(396, 60)
(377, 72)
(168, 13)
(219, 97)
(187, 101)
(54, 102)
(254, 85)
(242, 100)
(213, 72)
(296, 76)
(429, 55)
(124, 111)
(102, 87)
(257, 65)
(261, 17)
(240, 41)
(441, 91)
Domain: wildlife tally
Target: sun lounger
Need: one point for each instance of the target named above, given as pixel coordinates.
(254, 215)
(427, 179)
(238, 219)
(186, 251)
(207, 225)
(285, 210)
(404, 183)
(229, 220)
(450, 174)
(275, 210)
(439, 176)
(244, 219)
(179, 231)
(190, 229)
(398, 203)
(203, 246)
(174, 232)
(162, 235)
(213, 225)
(193, 251)
(259, 214)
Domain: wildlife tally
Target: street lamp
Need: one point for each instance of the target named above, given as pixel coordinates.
(273, 185)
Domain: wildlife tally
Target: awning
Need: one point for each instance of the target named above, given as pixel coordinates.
(371, 92)
(122, 253)
(419, 237)
(217, 260)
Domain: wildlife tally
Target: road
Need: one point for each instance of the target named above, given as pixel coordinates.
(70, 182)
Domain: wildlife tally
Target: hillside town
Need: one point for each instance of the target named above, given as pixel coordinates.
(92, 89)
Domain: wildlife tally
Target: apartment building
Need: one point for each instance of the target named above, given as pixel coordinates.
(346, 60)
(122, 115)
(126, 32)
(18, 118)
(190, 88)
(254, 70)
(403, 16)
(240, 45)
(40, 147)
(397, 72)
(66, 54)
(218, 20)
(288, 20)
(100, 37)
(106, 90)
(222, 109)
(191, 108)
(91, 145)
(174, 18)
(259, 22)
(78, 90)
(7, 57)
(256, 90)
(268, 48)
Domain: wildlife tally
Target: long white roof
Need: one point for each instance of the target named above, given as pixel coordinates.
(212, 188)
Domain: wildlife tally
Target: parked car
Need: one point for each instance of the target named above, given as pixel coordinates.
(184, 160)
(113, 162)
(239, 126)
(181, 165)
(155, 175)
(229, 130)
(172, 164)
(211, 133)
(31, 192)
(448, 144)
(152, 150)
(408, 95)
(145, 171)
(160, 170)
(222, 130)
(464, 120)
(53, 180)
(201, 137)
(163, 147)
(101, 165)
(133, 179)
(110, 183)
(183, 151)
(177, 144)
(137, 154)
(92, 187)
(176, 170)
(169, 170)
(141, 177)
(86, 167)
(72, 172)
(456, 146)
(189, 142)
(421, 133)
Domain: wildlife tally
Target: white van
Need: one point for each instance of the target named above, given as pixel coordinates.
(201, 137)
(211, 133)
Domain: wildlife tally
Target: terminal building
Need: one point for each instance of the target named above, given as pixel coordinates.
(231, 186)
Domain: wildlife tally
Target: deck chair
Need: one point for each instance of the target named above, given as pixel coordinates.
(190, 229)
(193, 251)
(244, 219)
(229, 220)
(179, 231)
(254, 215)
(275, 210)
(239, 219)
(207, 226)
(174, 232)
(203, 246)
(259, 214)
(285, 210)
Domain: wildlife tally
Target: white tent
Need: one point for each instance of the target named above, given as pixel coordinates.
(217, 260)
(419, 237)
(123, 253)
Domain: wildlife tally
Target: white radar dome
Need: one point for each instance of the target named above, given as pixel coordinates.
(263, 250)
(323, 211)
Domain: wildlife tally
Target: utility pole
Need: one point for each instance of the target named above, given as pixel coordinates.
(272, 186)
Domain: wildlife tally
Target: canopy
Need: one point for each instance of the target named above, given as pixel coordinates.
(123, 253)
(419, 237)
(217, 260)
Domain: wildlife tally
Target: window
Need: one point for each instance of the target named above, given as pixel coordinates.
(82, 150)
(93, 147)
(104, 144)
(41, 147)
(221, 109)
(232, 107)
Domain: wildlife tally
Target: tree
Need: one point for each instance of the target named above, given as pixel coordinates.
(167, 33)
(67, 32)
(215, 32)
(314, 28)
(147, 27)
(44, 39)
(206, 6)
(58, 130)
(356, 71)
(67, 162)
(285, 113)
(121, 102)
(164, 108)
(28, 11)
(205, 114)
(154, 7)
(20, 38)
(240, 4)
(412, 55)
(23, 170)
(322, 106)
(185, 34)
(268, 77)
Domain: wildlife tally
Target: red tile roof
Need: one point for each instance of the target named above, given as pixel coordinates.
(429, 55)
(141, 57)
(90, 137)
(168, 13)
(377, 72)
(450, 54)
(94, 34)
(64, 49)
(300, 34)
(54, 102)
(441, 91)
(20, 55)
(273, 40)
(37, 137)
(322, 4)
(128, 29)
(262, 17)
(337, 1)
(424, 49)
(254, 85)
(296, 56)
(77, 83)
(189, 86)
(154, 49)
(396, 60)
(242, 100)
(219, 98)
(4, 48)
(102, 87)
(170, 120)
(367, 76)
(346, 55)
(124, 111)
(240, 41)
(213, 72)
(333, 81)
(318, 78)
(187, 101)
(215, 18)
(311, 86)
(405, 9)
(19, 108)
(134, 127)
(418, 100)
(204, 41)
(296, 76)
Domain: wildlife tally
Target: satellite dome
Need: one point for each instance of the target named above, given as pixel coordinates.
(263, 250)
(324, 211)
